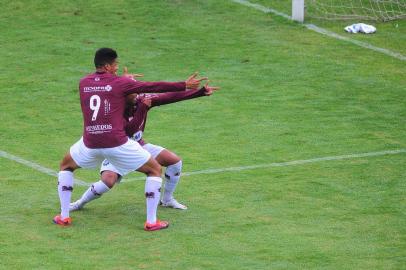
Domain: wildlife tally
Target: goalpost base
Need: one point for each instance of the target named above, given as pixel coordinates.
(298, 10)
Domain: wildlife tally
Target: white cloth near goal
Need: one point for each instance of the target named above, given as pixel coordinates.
(360, 28)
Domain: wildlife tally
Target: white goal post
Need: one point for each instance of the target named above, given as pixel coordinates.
(369, 10)
(298, 10)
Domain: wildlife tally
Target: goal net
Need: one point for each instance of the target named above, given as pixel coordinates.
(371, 10)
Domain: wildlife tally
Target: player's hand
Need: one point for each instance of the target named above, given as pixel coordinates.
(210, 89)
(193, 83)
(147, 101)
(130, 75)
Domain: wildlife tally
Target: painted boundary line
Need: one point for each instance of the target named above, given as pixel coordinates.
(37, 167)
(284, 164)
(322, 30)
(219, 170)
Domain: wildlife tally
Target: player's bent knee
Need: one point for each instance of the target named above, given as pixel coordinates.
(177, 158)
(167, 158)
(151, 168)
(176, 167)
(156, 170)
(68, 164)
(174, 170)
(109, 178)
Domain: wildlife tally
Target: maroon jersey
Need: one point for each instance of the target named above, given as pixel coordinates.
(136, 115)
(102, 98)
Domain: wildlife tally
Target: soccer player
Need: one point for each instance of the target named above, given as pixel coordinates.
(102, 98)
(136, 117)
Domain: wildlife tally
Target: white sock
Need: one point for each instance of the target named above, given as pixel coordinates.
(93, 192)
(152, 196)
(172, 176)
(65, 187)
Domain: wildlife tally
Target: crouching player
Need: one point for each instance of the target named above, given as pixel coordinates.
(136, 116)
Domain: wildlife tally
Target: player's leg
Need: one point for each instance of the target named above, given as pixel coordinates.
(65, 188)
(78, 156)
(153, 185)
(130, 157)
(109, 177)
(96, 190)
(173, 171)
(173, 166)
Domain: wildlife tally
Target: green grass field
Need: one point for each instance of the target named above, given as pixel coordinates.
(287, 94)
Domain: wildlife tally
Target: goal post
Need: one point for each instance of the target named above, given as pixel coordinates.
(298, 10)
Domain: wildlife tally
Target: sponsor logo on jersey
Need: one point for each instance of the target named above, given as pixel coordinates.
(98, 129)
(103, 88)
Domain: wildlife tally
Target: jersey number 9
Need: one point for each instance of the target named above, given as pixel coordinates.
(95, 106)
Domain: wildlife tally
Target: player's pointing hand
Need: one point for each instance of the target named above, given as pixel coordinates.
(129, 75)
(210, 89)
(193, 82)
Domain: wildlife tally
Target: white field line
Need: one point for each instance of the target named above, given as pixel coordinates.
(284, 164)
(262, 8)
(37, 167)
(323, 31)
(219, 170)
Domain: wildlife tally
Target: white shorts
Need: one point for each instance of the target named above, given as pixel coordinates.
(152, 149)
(126, 158)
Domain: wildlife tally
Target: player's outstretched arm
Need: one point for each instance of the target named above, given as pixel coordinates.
(172, 97)
(130, 85)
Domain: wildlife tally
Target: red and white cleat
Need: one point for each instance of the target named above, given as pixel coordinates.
(63, 222)
(159, 225)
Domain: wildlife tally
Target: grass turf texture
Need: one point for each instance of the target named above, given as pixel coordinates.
(288, 94)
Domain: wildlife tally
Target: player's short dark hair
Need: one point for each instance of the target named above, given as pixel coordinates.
(104, 56)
